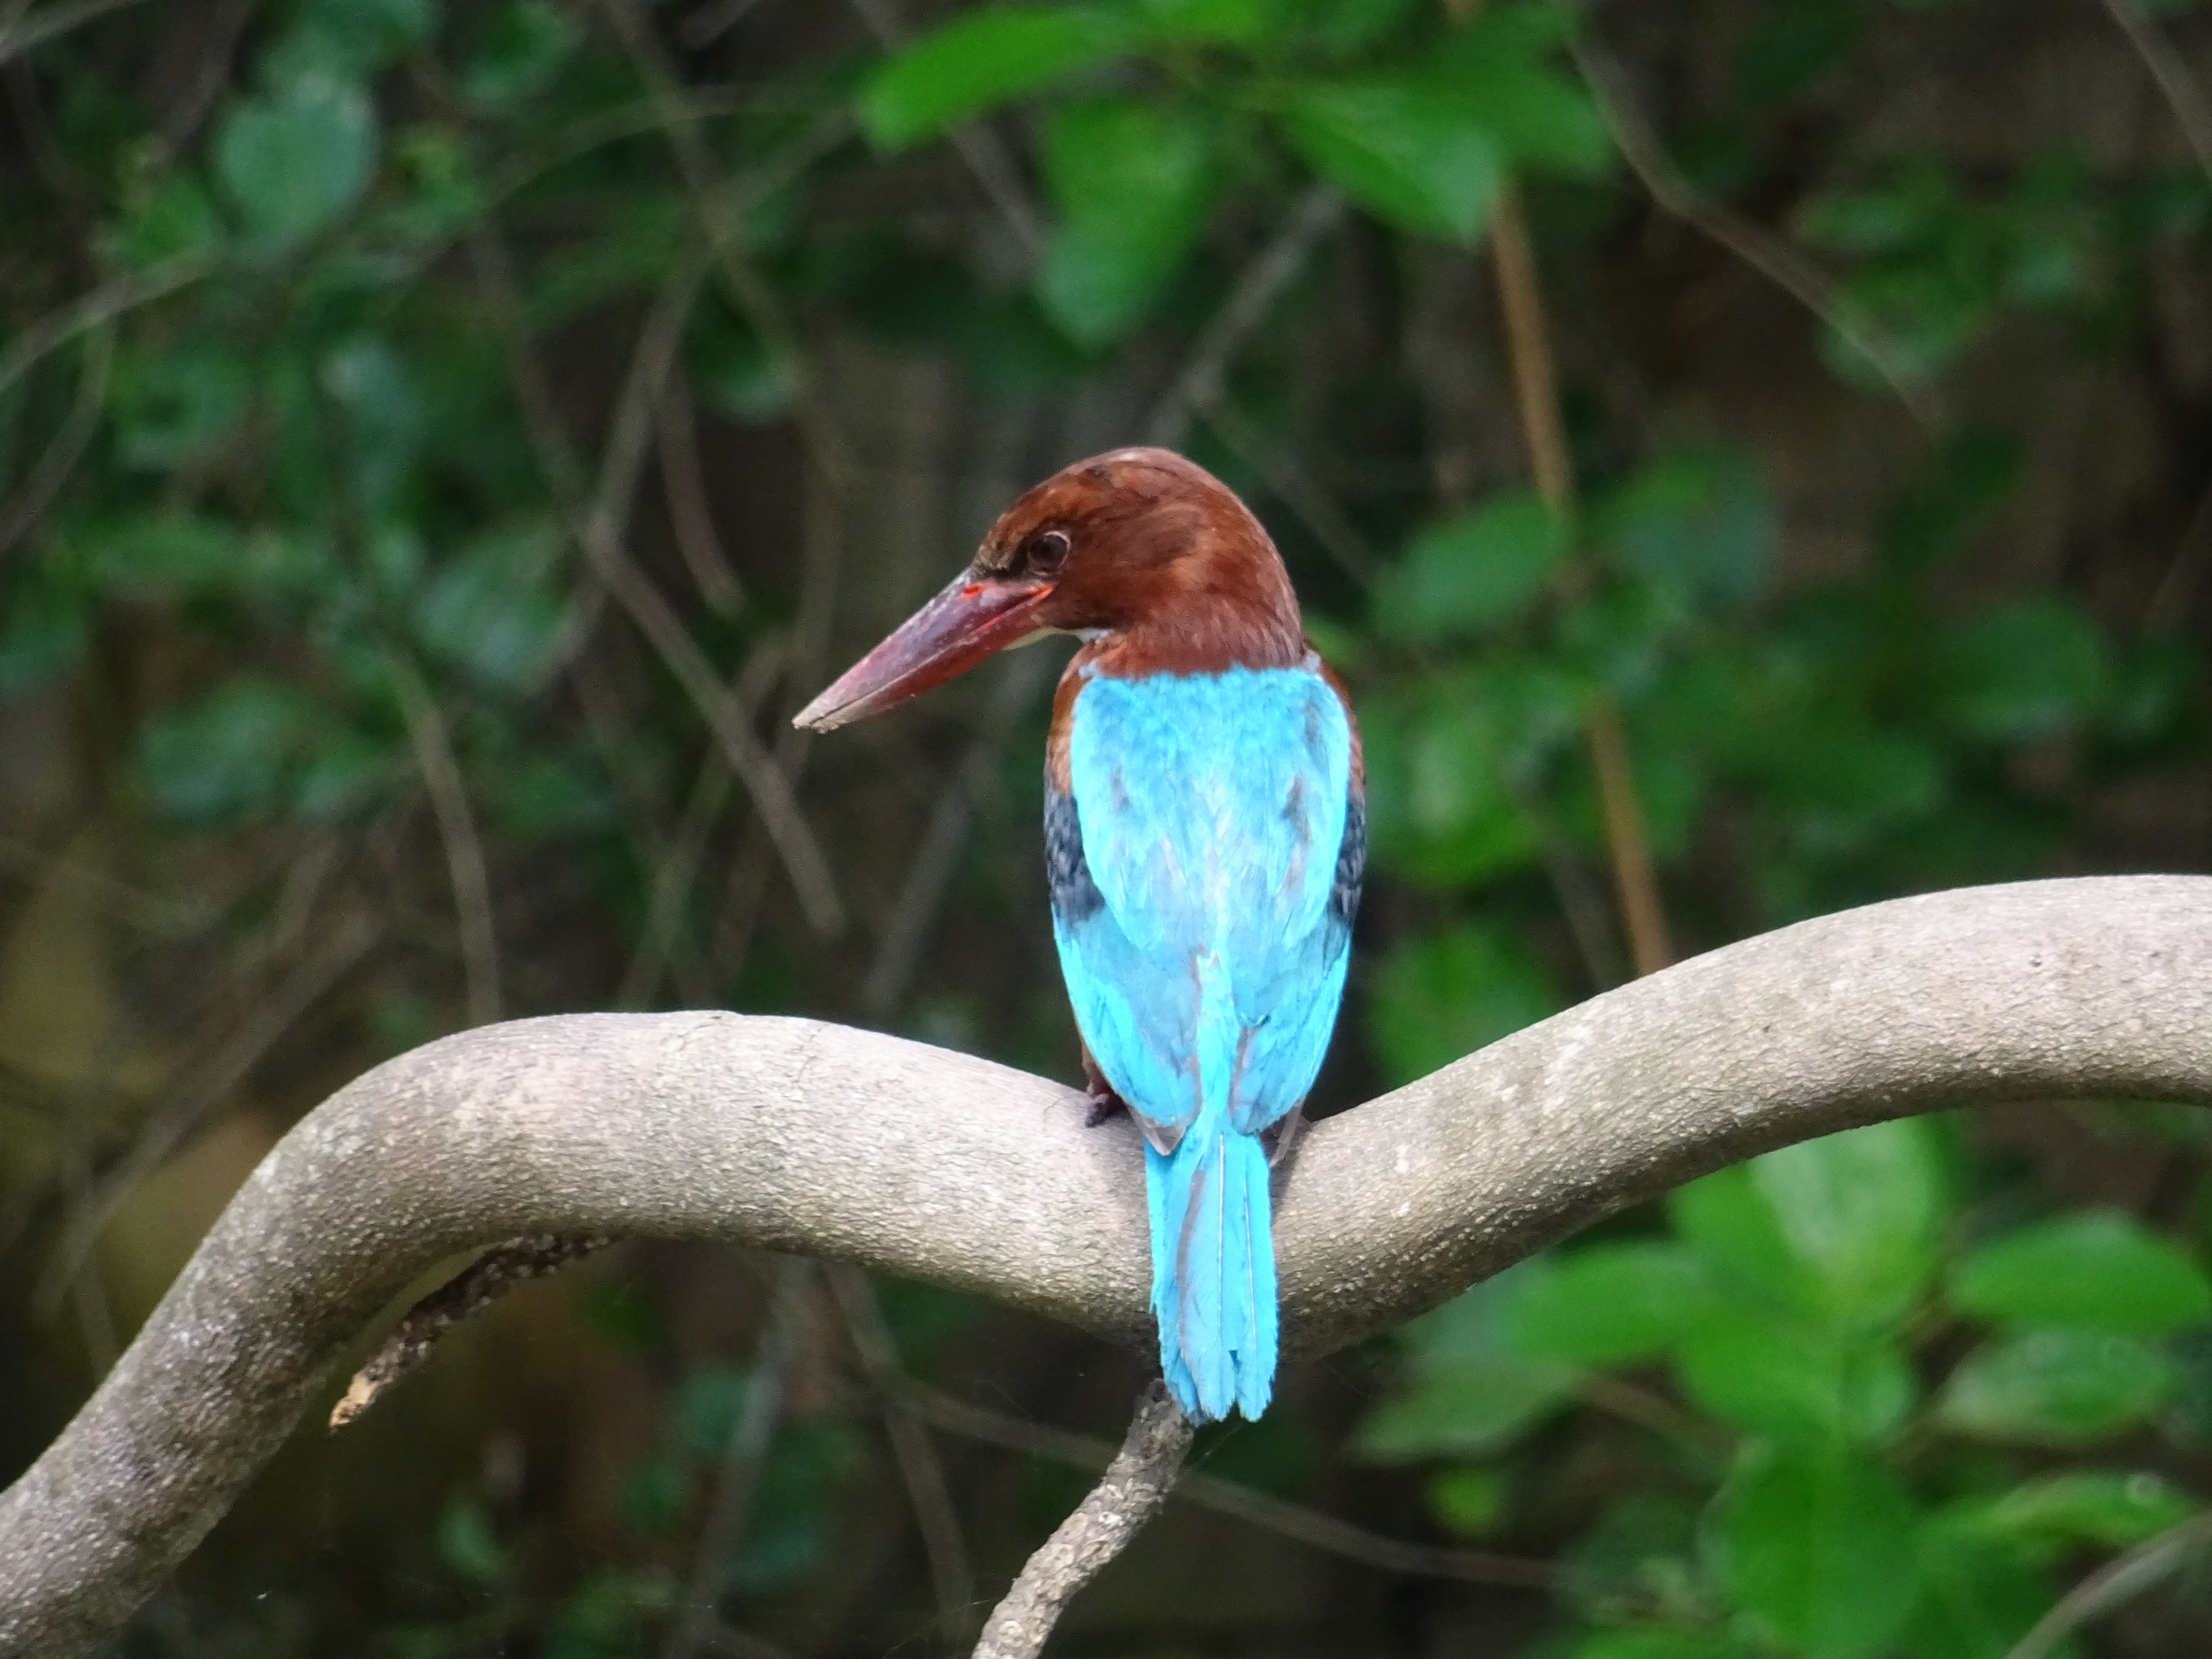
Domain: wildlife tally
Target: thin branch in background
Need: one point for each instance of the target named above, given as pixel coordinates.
(1768, 254)
(709, 22)
(491, 1276)
(738, 1480)
(906, 929)
(2191, 113)
(977, 145)
(466, 867)
(1536, 381)
(2118, 1582)
(1291, 1520)
(952, 1575)
(23, 31)
(1197, 386)
(28, 502)
(1136, 1484)
(193, 1096)
(684, 488)
(677, 866)
(717, 207)
(96, 309)
(600, 539)
(2185, 572)
(183, 119)
(1297, 489)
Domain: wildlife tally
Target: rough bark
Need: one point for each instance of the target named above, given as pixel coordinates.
(865, 1148)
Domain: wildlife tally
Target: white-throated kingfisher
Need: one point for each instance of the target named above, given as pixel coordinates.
(1205, 831)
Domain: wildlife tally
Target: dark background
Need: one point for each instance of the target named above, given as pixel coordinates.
(410, 414)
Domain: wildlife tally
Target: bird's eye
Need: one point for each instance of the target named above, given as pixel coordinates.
(1044, 551)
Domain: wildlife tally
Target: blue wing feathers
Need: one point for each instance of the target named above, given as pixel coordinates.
(1205, 862)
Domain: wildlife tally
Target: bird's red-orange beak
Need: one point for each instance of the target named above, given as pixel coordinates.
(963, 624)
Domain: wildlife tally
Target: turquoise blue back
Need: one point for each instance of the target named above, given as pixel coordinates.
(1203, 916)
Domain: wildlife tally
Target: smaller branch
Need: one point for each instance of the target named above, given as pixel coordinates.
(1536, 386)
(2118, 1582)
(23, 508)
(1766, 253)
(2177, 589)
(906, 929)
(465, 869)
(716, 204)
(2183, 95)
(599, 533)
(712, 20)
(1339, 537)
(951, 1575)
(751, 1436)
(23, 34)
(684, 488)
(103, 305)
(1292, 1520)
(1197, 387)
(978, 147)
(1642, 915)
(1136, 1485)
(494, 1274)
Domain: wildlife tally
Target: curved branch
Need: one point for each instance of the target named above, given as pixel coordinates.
(865, 1148)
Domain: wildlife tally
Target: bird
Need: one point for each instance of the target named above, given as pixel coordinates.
(1205, 838)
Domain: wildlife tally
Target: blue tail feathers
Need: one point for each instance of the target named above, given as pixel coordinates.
(1213, 1270)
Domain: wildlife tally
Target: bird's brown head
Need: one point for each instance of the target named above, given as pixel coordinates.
(1145, 552)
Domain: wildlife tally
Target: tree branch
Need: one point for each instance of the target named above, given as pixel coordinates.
(865, 1148)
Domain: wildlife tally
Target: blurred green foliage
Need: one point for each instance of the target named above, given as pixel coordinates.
(308, 401)
(1785, 1332)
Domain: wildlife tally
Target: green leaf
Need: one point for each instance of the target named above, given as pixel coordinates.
(1472, 1502)
(519, 51)
(1977, 1598)
(2022, 671)
(1540, 118)
(467, 1545)
(2057, 1387)
(2096, 1270)
(165, 552)
(1611, 1305)
(1771, 1377)
(1131, 180)
(1411, 155)
(2104, 1508)
(240, 752)
(354, 39)
(1473, 572)
(1817, 1548)
(1467, 1394)
(174, 220)
(1863, 1211)
(294, 160)
(1446, 763)
(1656, 1642)
(44, 630)
(490, 610)
(176, 406)
(1233, 22)
(1843, 1230)
(979, 60)
(1443, 995)
(1699, 526)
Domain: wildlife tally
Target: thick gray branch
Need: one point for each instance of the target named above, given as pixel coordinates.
(865, 1148)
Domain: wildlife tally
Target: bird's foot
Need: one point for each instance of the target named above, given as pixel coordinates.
(1284, 1134)
(1104, 1102)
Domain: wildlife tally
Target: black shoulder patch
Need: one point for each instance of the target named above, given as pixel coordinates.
(1351, 863)
(1075, 896)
